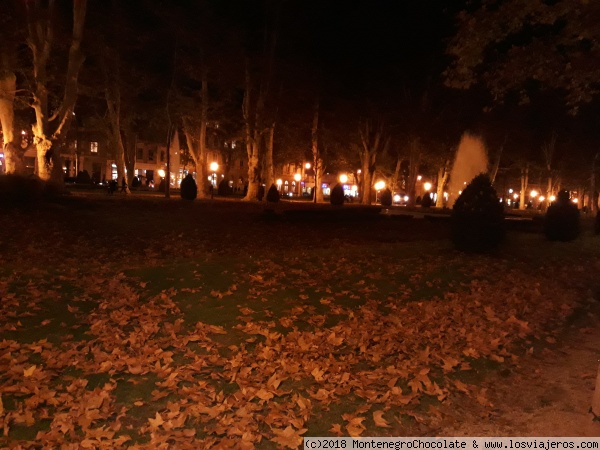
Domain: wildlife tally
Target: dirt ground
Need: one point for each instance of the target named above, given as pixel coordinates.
(548, 394)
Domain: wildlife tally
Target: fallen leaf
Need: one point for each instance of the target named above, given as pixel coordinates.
(289, 437)
(379, 420)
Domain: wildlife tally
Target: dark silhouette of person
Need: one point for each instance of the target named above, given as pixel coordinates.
(123, 185)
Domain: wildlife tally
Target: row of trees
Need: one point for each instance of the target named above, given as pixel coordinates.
(251, 72)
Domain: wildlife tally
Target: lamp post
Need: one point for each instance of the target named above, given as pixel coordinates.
(298, 177)
(378, 187)
(214, 167)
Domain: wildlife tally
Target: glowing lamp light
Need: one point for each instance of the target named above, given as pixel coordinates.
(279, 182)
(427, 186)
(297, 177)
(161, 173)
(510, 191)
(552, 198)
(419, 178)
(446, 195)
(354, 188)
(542, 198)
(515, 196)
(343, 178)
(214, 166)
(307, 166)
(380, 185)
(533, 194)
(397, 198)
(23, 132)
(575, 200)
(406, 198)
(359, 171)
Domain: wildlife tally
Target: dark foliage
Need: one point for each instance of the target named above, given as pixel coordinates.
(427, 201)
(273, 194)
(83, 177)
(162, 187)
(135, 182)
(562, 219)
(224, 188)
(337, 195)
(386, 197)
(189, 189)
(478, 217)
(597, 223)
(18, 189)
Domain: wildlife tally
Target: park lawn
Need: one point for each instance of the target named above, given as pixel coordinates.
(275, 335)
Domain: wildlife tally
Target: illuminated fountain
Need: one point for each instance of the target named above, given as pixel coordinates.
(470, 160)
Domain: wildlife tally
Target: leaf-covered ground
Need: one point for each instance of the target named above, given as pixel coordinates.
(148, 323)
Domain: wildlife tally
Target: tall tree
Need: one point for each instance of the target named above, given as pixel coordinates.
(52, 120)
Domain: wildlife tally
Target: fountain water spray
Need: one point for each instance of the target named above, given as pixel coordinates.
(470, 160)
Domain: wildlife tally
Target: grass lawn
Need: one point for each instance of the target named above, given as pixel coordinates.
(142, 322)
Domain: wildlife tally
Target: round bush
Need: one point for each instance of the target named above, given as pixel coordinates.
(561, 222)
(17, 189)
(427, 201)
(189, 189)
(83, 177)
(336, 197)
(386, 197)
(224, 187)
(478, 217)
(135, 182)
(273, 194)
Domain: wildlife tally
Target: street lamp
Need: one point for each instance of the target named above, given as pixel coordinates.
(427, 186)
(214, 167)
(298, 177)
(307, 166)
(378, 187)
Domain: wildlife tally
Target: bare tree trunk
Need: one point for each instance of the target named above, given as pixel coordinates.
(373, 142)
(252, 114)
(593, 201)
(442, 178)
(395, 185)
(317, 160)
(524, 184)
(112, 93)
(413, 170)
(49, 131)
(268, 176)
(13, 153)
(494, 171)
(130, 144)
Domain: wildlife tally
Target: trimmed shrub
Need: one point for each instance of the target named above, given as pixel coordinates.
(83, 178)
(562, 219)
(386, 197)
(135, 182)
(18, 189)
(427, 201)
(336, 197)
(224, 187)
(273, 194)
(189, 189)
(162, 187)
(478, 217)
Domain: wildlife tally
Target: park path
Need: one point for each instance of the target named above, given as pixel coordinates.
(548, 394)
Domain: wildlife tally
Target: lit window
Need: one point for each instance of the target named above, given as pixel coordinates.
(94, 147)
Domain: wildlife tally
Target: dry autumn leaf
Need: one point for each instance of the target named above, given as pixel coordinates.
(379, 420)
(288, 437)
